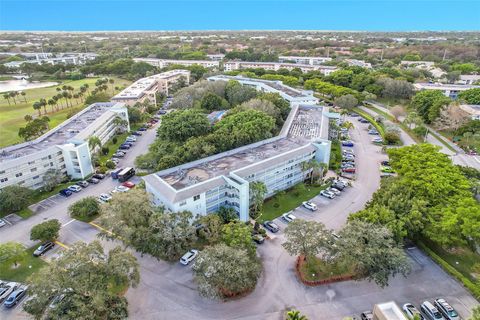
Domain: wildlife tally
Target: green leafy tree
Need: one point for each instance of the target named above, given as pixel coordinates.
(211, 102)
(475, 313)
(373, 251)
(258, 191)
(51, 179)
(94, 142)
(46, 231)
(227, 214)
(181, 125)
(83, 275)
(471, 96)
(12, 252)
(14, 198)
(236, 93)
(239, 235)
(210, 228)
(429, 103)
(222, 271)
(85, 208)
(309, 239)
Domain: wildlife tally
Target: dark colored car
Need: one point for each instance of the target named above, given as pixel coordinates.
(15, 297)
(385, 163)
(272, 227)
(43, 248)
(65, 192)
(93, 180)
(99, 176)
(338, 186)
(162, 112)
(124, 147)
(136, 133)
(366, 315)
(347, 143)
(142, 129)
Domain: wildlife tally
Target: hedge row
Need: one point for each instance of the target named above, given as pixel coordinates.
(301, 260)
(370, 119)
(471, 286)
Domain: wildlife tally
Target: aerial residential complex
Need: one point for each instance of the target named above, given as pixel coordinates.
(205, 185)
(64, 148)
(274, 66)
(145, 89)
(304, 60)
(163, 63)
(449, 90)
(44, 58)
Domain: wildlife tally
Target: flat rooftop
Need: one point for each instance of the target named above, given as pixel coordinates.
(60, 134)
(439, 86)
(309, 124)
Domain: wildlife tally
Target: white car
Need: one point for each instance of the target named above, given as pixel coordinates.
(309, 205)
(2, 223)
(75, 188)
(189, 257)
(327, 194)
(7, 289)
(121, 189)
(288, 217)
(105, 197)
(411, 311)
(334, 191)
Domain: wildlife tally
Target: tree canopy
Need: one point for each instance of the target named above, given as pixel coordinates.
(429, 103)
(46, 231)
(178, 126)
(14, 198)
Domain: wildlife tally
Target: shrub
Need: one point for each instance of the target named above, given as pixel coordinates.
(102, 170)
(105, 150)
(110, 164)
(392, 137)
(46, 231)
(85, 208)
(420, 131)
(114, 140)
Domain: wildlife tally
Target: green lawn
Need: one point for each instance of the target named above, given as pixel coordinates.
(28, 266)
(288, 200)
(317, 270)
(11, 116)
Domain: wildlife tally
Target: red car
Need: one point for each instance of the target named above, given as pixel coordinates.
(128, 184)
(349, 170)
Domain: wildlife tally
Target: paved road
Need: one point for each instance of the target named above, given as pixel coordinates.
(167, 290)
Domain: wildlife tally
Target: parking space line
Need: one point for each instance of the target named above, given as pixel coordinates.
(66, 224)
(62, 245)
(100, 228)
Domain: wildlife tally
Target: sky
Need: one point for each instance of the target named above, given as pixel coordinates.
(130, 15)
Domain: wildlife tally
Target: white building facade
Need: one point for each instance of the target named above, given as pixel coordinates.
(275, 66)
(163, 63)
(304, 60)
(449, 90)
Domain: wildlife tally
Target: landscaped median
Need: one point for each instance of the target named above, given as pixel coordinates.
(318, 273)
(380, 128)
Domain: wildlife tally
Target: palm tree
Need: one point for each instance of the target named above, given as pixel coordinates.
(86, 86)
(65, 95)
(37, 106)
(348, 125)
(43, 103)
(58, 89)
(13, 94)
(295, 315)
(59, 96)
(6, 96)
(55, 98)
(51, 103)
(305, 166)
(111, 81)
(28, 118)
(258, 191)
(76, 96)
(94, 142)
(24, 95)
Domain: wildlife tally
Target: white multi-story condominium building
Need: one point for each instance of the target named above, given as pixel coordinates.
(146, 88)
(358, 63)
(64, 148)
(216, 56)
(275, 66)
(64, 58)
(223, 180)
(304, 60)
(449, 90)
(292, 95)
(163, 63)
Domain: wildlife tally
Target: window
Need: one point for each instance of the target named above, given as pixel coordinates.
(195, 198)
(31, 162)
(36, 177)
(4, 180)
(33, 169)
(2, 172)
(183, 203)
(18, 174)
(51, 164)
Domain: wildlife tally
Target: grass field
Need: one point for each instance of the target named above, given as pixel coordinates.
(27, 266)
(11, 116)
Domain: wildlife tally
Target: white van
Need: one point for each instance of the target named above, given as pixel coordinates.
(430, 311)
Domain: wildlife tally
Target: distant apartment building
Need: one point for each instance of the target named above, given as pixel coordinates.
(163, 63)
(358, 63)
(145, 89)
(449, 90)
(64, 148)
(216, 57)
(275, 66)
(469, 79)
(62, 58)
(304, 60)
(223, 180)
(292, 95)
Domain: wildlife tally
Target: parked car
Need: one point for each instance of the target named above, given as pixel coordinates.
(118, 155)
(271, 226)
(373, 132)
(309, 205)
(43, 248)
(124, 147)
(93, 180)
(347, 165)
(338, 186)
(128, 184)
(334, 191)
(142, 129)
(7, 289)
(258, 238)
(2, 223)
(386, 169)
(349, 152)
(411, 311)
(132, 137)
(327, 194)
(385, 163)
(136, 133)
(347, 143)
(349, 170)
(99, 176)
(446, 309)
(188, 257)
(162, 112)
(288, 217)
(65, 192)
(122, 189)
(377, 140)
(15, 297)
(362, 120)
(75, 188)
(104, 197)
(366, 315)
(82, 184)
(115, 160)
(127, 143)
(430, 311)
